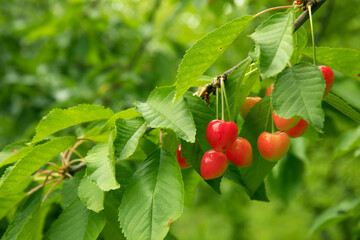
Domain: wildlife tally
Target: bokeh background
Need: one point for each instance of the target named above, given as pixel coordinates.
(113, 52)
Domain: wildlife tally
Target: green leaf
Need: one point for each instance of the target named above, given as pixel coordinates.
(91, 195)
(13, 157)
(300, 39)
(59, 119)
(77, 222)
(334, 215)
(23, 217)
(100, 166)
(234, 86)
(344, 60)
(275, 39)
(159, 111)
(205, 51)
(347, 142)
(342, 106)
(238, 87)
(298, 91)
(147, 211)
(257, 121)
(191, 181)
(39, 156)
(128, 133)
(126, 114)
(70, 187)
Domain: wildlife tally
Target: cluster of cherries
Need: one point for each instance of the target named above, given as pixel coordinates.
(223, 137)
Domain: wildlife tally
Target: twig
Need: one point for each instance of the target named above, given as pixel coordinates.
(52, 188)
(305, 15)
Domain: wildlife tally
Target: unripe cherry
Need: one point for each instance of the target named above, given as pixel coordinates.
(248, 105)
(273, 147)
(298, 130)
(285, 123)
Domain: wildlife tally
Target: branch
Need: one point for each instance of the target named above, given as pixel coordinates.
(211, 87)
(305, 15)
(74, 169)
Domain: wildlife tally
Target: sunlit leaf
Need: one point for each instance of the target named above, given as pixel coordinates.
(146, 212)
(27, 165)
(205, 51)
(159, 111)
(298, 91)
(91, 195)
(59, 119)
(275, 39)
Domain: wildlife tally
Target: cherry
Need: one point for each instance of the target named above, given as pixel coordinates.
(221, 134)
(285, 123)
(329, 78)
(240, 153)
(182, 162)
(213, 164)
(248, 105)
(273, 147)
(298, 130)
(268, 91)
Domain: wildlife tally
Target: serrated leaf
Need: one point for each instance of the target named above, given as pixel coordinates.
(342, 106)
(275, 39)
(69, 190)
(39, 156)
(126, 114)
(298, 91)
(146, 212)
(344, 60)
(13, 157)
(205, 51)
(77, 222)
(91, 195)
(238, 87)
(127, 135)
(23, 217)
(101, 166)
(257, 121)
(334, 215)
(59, 119)
(159, 112)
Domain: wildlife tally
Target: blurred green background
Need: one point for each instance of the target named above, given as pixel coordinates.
(113, 52)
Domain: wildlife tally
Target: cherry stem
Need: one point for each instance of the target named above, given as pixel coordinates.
(274, 8)
(161, 137)
(52, 188)
(226, 101)
(222, 100)
(217, 103)
(312, 33)
(40, 186)
(271, 109)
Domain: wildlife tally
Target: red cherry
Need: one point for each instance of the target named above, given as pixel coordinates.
(182, 162)
(240, 152)
(298, 130)
(221, 134)
(285, 123)
(329, 78)
(213, 164)
(273, 147)
(268, 91)
(248, 105)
